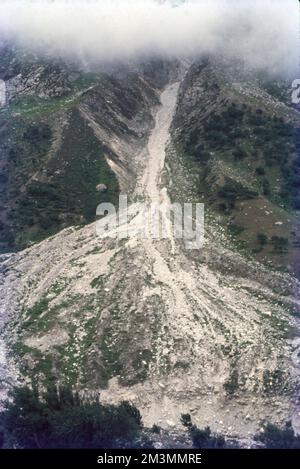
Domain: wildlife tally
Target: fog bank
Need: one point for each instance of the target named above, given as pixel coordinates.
(264, 33)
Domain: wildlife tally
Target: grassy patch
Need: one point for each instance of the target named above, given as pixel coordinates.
(97, 282)
(63, 192)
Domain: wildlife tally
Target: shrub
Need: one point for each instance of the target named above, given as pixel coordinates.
(223, 207)
(156, 429)
(277, 438)
(280, 244)
(37, 134)
(232, 384)
(262, 239)
(239, 154)
(235, 229)
(60, 419)
(260, 171)
(266, 187)
(234, 190)
(202, 438)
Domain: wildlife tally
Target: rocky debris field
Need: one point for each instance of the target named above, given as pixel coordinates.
(171, 330)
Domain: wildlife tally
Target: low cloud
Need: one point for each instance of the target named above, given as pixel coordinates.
(264, 33)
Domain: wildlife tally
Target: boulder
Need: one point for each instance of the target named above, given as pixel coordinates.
(101, 188)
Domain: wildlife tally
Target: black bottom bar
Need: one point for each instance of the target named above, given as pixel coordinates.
(144, 458)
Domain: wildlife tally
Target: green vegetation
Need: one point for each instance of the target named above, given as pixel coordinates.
(64, 193)
(262, 239)
(251, 139)
(274, 437)
(246, 163)
(274, 382)
(280, 244)
(235, 229)
(260, 171)
(156, 429)
(61, 419)
(97, 282)
(232, 384)
(233, 191)
(202, 439)
(39, 308)
(111, 354)
(32, 107)
(279, 90)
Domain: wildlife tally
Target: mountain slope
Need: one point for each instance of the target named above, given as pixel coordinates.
(208, 332)
(242, 142)
(64, 132)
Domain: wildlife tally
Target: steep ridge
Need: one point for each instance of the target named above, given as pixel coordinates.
(239, 134)
(64, 133)
(172, 330)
